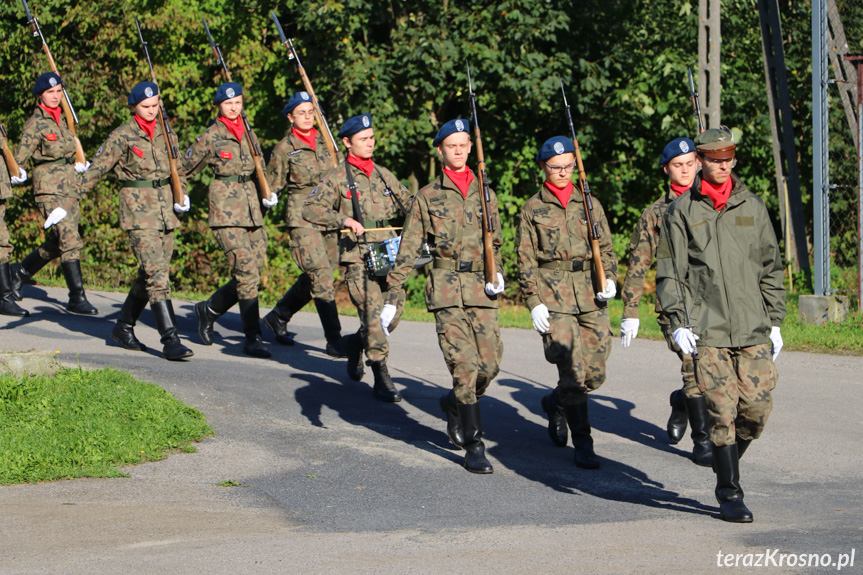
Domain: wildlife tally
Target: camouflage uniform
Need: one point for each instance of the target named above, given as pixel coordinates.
(552, 242)
(5, 194)
(465, 316)
(328, 205)
(52, 149)
(234, 210)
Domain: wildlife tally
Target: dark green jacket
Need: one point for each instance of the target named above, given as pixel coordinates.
(728, 264)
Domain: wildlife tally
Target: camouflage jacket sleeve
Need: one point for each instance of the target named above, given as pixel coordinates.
(106, 158)
(606, 242)
(198, 156)
(30, 141)
(642, 248)
(322, 206)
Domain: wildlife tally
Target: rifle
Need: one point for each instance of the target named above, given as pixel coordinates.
(173, 154)
(257, 154)
(11, 164)
(66, 102)
(696, 107)
(330, 141)
(588, 202)
(487, 220)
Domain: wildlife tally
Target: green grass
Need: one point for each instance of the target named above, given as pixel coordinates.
(88, 424)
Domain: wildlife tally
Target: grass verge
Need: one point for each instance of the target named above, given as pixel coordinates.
(88, 424)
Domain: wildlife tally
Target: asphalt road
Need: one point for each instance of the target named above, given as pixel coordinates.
(334, 481)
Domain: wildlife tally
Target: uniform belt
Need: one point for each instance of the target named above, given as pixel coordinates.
(457, 266)
(563, 265)
(145, 183)
(239, 179)
(67, 160)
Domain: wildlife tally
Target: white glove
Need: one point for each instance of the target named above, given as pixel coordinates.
(184, 207)
(81, 168)
(387, 315)
(685, 339)
(54, 217)
(539, 317)
(628, 330)
(271, 201)
(775, 342)
(495, 288)
(609, 292)
(20, 178)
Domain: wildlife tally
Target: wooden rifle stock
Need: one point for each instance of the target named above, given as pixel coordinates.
(11, 164)
(591, 221)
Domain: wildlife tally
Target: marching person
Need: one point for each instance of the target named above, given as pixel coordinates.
(362, 198)
(7, 297)
(51, 145)
(235, 217)
(448, 212)
(299, 162)
(680, 165)
(554, 261)
(719, 270)
(137, 152)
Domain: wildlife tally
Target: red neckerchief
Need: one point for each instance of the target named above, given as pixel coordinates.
(678, 189)
(365, 165)
(461, 179)
(53, 112)
(562, 194)
(717, 194)
(234, 126)
(307, 140)
(148, 127)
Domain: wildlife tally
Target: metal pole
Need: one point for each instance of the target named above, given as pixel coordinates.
(820, 159)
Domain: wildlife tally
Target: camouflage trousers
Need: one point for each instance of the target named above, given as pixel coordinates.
(63, 241)
(366, 296)
(579, 346)
(5, 240)
(737, 382)
(317, 254)
(153, 249)
(470, 341)
(246, 249)
(687, 369)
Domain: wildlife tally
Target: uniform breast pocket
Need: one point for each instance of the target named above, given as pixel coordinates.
(700, 236)
(52, 146)
(548, 236)
(301, 171)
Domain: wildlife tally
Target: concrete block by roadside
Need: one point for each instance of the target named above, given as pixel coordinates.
(818, 309)
(32, 362)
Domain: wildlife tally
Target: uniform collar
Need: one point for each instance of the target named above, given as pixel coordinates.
(546, 196)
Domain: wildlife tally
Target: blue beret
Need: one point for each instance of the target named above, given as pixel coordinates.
(355, 124)
(227, 91)
(675, 148)
(142, 91)
(449, 129)
(295, 101)
(45, 82)
(554, 147)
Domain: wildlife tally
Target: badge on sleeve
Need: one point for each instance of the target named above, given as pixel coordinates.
(51, 137)
(99, 152)
(188, 153)
(225, 155)
(138, 152)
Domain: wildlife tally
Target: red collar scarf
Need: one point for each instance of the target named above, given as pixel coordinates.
(53, 112)
(148, 127)
(461, 179)
(307, 140)
(234, 126)
(718, 194)
(562, 194)
(365, 165)
(678, 189)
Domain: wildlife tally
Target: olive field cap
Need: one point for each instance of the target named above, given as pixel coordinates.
(448, 129)
(718, 143)
(554, 147)
(295, 101)
(142, 91)
(355, 124)
(674, 148)
(227, 91)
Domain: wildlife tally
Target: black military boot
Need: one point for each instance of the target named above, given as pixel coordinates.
(699, 422)
(579, 424)
(77, 298)
(209, 311)
(293, 301)
(475, 460)
(384, 388)
(173, 349)
(7, 296)
(123, 332)
(449, 405)
(677, 422)
(252, 345)
(742, 446)
(353, 346)
(328, 312)
(556, 420)
(22, 272)
(728, 491)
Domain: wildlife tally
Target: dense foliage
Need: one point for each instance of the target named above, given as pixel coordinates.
(624, 64)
